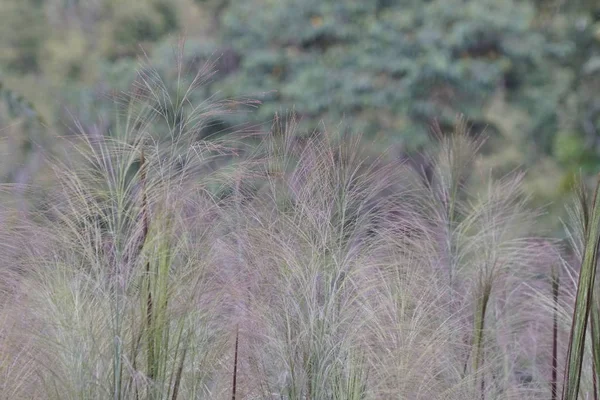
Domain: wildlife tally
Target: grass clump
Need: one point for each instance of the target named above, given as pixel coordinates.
(165, 266)
(122, 295)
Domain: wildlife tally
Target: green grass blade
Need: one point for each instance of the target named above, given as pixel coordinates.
(583, 303)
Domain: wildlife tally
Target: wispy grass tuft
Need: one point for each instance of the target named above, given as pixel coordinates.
(344, 274)
(124, 294)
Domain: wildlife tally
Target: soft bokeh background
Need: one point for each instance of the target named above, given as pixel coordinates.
(524, 72)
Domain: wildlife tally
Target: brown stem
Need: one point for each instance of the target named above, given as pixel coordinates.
(145, 230)
(553, 382)
(179, 374)
(235, 363)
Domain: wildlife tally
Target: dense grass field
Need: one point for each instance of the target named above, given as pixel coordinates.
(286, 266)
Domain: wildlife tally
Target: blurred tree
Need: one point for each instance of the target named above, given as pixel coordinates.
(525, 71)
(136, 23)
(392, 67)
(22, 29)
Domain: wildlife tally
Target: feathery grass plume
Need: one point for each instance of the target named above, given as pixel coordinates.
(486, 243)
(584, 297)
(409, 334)
(453, 165)
(304, 236)
(333, 229)
(349, 274)
(125, 228)
(500, 248)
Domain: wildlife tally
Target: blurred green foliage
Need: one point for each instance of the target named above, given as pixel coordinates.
(525, 71)
(385, 67)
